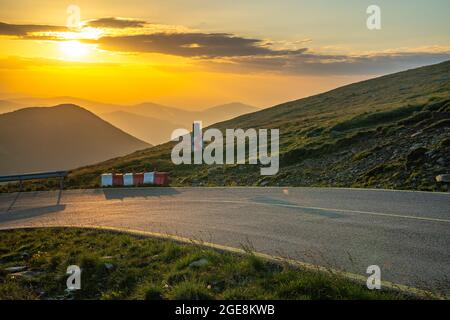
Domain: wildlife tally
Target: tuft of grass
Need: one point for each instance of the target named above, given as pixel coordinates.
(190, 290)
(375, 118)
(153, 293)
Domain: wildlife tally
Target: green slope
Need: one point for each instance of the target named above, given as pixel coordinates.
(388, 132)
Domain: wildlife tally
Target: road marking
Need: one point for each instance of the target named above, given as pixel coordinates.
(322, 209)
(295, 206)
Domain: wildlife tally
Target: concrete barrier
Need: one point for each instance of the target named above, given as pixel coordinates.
(149, 177)
(107, 180)
(138, 179)
(161, 178)
(128, 179)
(118, 179)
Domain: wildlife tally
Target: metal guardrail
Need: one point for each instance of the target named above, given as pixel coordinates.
(33, 176)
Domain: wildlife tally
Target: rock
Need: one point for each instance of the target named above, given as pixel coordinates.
(16, 269)
(416, 146)
(264, 183)
(430, 153)
(25, 274)
(109, 266)
(25, 255)
(199, 263)
(441, 161)
(416, 155)
(443, 178)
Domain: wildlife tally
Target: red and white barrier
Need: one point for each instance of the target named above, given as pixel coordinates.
(134, 179)
(161, 178)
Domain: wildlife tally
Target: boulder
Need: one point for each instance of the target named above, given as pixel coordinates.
(443, 178)
(26, 274)
(199, 263)
(15, 269)
(109, 266)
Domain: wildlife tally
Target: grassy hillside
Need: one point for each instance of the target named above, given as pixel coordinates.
(61, 137)
(388, 132)
(223, 112)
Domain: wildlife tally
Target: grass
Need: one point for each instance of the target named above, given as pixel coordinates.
(123, 266)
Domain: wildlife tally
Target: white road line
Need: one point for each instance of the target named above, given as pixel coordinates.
(323, 209)
(392, 215)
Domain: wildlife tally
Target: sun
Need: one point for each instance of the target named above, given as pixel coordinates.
(73, 50)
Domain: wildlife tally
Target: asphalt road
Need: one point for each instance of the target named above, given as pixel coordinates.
(406, 233)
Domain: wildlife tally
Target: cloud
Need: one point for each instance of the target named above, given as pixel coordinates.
(15, 62)
(22, 30)
(228, 52)
(114, 22)
(206, 45)
(323, 64)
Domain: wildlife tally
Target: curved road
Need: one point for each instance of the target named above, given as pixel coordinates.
(406, 233)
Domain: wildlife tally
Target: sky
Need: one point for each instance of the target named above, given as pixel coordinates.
(199, 53)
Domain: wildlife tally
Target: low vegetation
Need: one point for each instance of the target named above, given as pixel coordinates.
(122, 266)
(389, 132)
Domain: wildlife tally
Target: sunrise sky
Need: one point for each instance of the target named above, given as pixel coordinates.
(199, 53)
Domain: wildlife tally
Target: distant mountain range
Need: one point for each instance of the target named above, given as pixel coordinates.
(148, 121)
(8, 106)
(145, 128)
(58, 138)
(93, 106)
(154, 123)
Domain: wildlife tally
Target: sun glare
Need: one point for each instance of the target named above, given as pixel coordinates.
(73, 50)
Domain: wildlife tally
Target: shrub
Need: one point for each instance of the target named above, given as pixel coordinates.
(153, 293)
(190, 290)
(372, 119)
